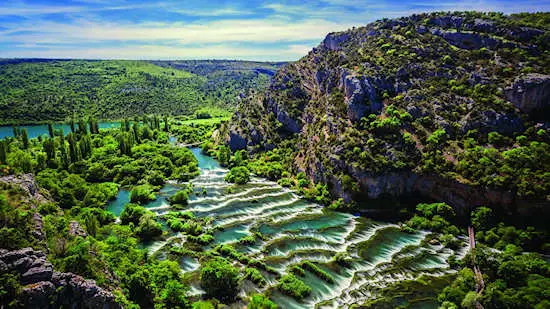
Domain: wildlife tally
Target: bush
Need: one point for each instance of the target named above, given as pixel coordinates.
(142, 194)
(239, 175)
(260, 301)
(294, 287)
(318, 271)
(255, 276)
(148, 227)
(220, 279)
(179, 198)
(132, 213)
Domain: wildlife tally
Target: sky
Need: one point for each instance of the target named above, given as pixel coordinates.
(200, 29)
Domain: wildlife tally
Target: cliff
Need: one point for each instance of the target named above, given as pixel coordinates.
(451, 106)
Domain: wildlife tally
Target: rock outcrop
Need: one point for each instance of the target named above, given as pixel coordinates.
(29, 185)
(363, 104)
(45, 288)
(530, 92)
(35, 197)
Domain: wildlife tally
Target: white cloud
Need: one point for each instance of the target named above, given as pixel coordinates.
(217, 51)
(221, 31)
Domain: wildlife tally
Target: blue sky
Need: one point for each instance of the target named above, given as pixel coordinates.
(200, 29)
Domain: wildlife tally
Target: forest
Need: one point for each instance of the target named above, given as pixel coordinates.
(57, 90)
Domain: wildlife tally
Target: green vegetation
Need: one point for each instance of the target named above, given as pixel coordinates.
(179, 198)
(294, 287)
(317, 271)
(142, 194)
(423, 107)
(446, 121)
(220, 279)
(238, 175)
(260, 301)
(114, 89)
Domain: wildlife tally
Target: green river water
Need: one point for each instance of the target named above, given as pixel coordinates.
(299, 230)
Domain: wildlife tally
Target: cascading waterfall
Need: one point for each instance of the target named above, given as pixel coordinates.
(297, 230)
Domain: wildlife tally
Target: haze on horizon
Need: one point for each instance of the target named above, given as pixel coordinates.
(169, 29)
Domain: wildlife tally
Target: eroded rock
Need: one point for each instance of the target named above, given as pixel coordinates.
(530, 92)
(46, 288)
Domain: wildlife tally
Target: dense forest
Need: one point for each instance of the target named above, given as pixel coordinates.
(397, 165)
(39, 91)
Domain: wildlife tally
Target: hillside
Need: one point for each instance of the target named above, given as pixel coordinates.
(33, 90)
(453, 107)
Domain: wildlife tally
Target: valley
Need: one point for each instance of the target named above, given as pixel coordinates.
(359, 176)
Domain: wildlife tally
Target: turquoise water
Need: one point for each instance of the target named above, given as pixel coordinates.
(38, 130)
(117, 205)
(296, 230)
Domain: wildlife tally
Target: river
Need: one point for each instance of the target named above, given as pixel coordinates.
(42, 129)
(299, 230)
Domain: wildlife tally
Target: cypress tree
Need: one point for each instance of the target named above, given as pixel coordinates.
(3, 151)
(50, 129)
(49, 148)
(25, 138)
(166, 126)
(82, 127)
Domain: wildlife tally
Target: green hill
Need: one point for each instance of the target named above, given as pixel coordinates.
(35, 90)
(453, 106)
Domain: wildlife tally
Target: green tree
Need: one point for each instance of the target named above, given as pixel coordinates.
(142, 194)
(179, 198)
(25, 138)
(239, 175)
(50, 130)
(481, 218)
(220, 279)
(3, 151)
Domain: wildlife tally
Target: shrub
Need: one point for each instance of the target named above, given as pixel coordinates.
(179, 198)
(142, 194)
(255, 276)
(220, 279)
(294, 287)
(260, 301)
(239, 175)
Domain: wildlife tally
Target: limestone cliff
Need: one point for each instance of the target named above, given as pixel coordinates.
(365, 103)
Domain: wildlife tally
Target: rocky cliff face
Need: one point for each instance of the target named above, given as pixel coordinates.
(46, 288)
(364, 102)
(530, 92)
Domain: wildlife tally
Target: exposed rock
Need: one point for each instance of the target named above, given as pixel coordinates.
(76, 230)
(39, 273)
(530, 92)
(46, 288)
(290, 124)
(488, 121)
(236, 141)
(35, 196)
(333, 41)
(362, 95)
(470, 41)
(28, 184)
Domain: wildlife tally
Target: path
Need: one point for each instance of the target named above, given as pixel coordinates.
(480, 284)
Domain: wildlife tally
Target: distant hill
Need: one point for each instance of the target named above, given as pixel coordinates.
(36, 90)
